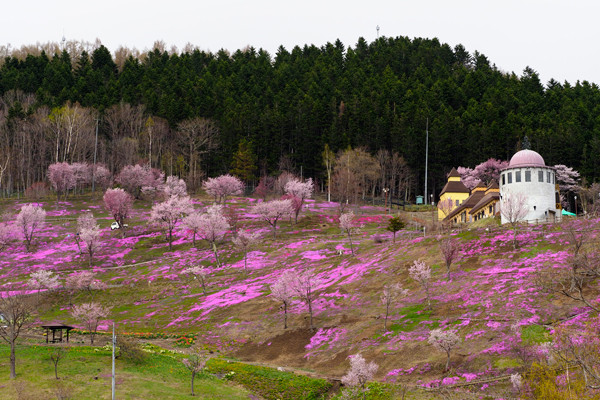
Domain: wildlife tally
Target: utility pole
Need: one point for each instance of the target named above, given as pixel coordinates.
(114, 342)
(426, 156)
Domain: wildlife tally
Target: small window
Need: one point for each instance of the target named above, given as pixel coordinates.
(517, 176)
(457, 203)
(503, 180)
(527, 176)
(534, 207)
(509, 177)
(553, 179)
(548, 177)
(540, 176)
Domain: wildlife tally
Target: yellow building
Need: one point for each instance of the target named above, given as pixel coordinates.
(462, 212)
(453, 195)
(489, 205)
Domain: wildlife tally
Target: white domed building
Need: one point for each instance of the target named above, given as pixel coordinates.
(528, 175)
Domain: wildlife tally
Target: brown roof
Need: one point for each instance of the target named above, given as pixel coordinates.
(455, 187)
(468, 204)
(454, 174)
(488, 198)
(493, 185)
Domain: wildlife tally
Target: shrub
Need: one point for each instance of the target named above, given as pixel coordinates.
(37, 191)
(130, 350)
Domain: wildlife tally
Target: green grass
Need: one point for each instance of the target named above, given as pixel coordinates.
(85, 374)
(534, 334)
(412, 317)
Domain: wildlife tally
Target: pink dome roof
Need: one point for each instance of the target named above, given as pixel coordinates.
(526, 158)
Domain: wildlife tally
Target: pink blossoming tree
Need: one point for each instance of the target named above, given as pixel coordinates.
(89, 315)
(390, 294)
(89, 232)
(192, 223)
(195, 363)
(272, 211)
(62, 179)
(450, 249)
(175, 187)
(360, 372)
(30, 219)
(421, 273)
(444, 341)
(300, 191)
(135, 178)
(212, 227)
(168, 213)
(283, 290)
(198, 273)
(8, 234)
(223, 186)
(119, 203)
(349, 227)
(304, 285)
(243, 241)
(43, 279)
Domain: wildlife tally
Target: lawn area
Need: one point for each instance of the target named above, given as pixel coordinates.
(85, 373)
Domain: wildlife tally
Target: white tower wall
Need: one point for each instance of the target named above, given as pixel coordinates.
(541, 198)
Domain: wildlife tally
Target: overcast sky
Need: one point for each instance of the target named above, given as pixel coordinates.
(556, 38)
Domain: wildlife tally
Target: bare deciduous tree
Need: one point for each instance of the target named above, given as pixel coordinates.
(16, 312)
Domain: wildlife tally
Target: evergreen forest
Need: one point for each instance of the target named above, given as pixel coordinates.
(288, 105)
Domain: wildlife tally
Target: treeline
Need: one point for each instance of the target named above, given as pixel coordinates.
(284, 108)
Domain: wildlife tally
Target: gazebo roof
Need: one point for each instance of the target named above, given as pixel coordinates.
(57, 325)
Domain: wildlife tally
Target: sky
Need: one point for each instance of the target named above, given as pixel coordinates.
(555, 38)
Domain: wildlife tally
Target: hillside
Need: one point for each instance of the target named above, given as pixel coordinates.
(492, 299)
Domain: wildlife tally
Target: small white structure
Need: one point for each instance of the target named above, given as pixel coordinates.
(528, 175)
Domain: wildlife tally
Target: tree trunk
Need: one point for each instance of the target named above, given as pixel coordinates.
(284, 315)
(310, 311)
(13, 360)
(193, 376)
(214, 246)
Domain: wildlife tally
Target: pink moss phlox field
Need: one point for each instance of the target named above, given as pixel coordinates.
(329, 337)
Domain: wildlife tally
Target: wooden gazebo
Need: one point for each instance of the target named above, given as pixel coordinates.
(56, 326)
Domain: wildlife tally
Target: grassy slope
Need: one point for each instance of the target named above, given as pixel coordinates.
(490, 293)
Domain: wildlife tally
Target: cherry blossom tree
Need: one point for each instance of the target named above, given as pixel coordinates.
(272, 211)
(485, 172)
(119, 203)
(566, 177)
(283, 291)
(101, 176)
(304, 286)
(90, 314)
(168, 213)
(43, 279)
(61, 178)
(467, 177)
(135, 178)
(360, 372)
(301, 191)
(193, 222)
(212, 227)
(223, 186)
(29, 220)
(82, 175)
(8, 234)
(348, 225)
(513, 208)
(265, 187)
(391, 293)
(89, 232)
(446, 206)
(16, 311)
(195, 363)
(198, 273)
(243, 241)
(84, 280)
(450, 249)
(421, 273)
(175, 187)
(444, 341)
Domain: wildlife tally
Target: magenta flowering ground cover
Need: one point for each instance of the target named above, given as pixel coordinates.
(491, 298)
